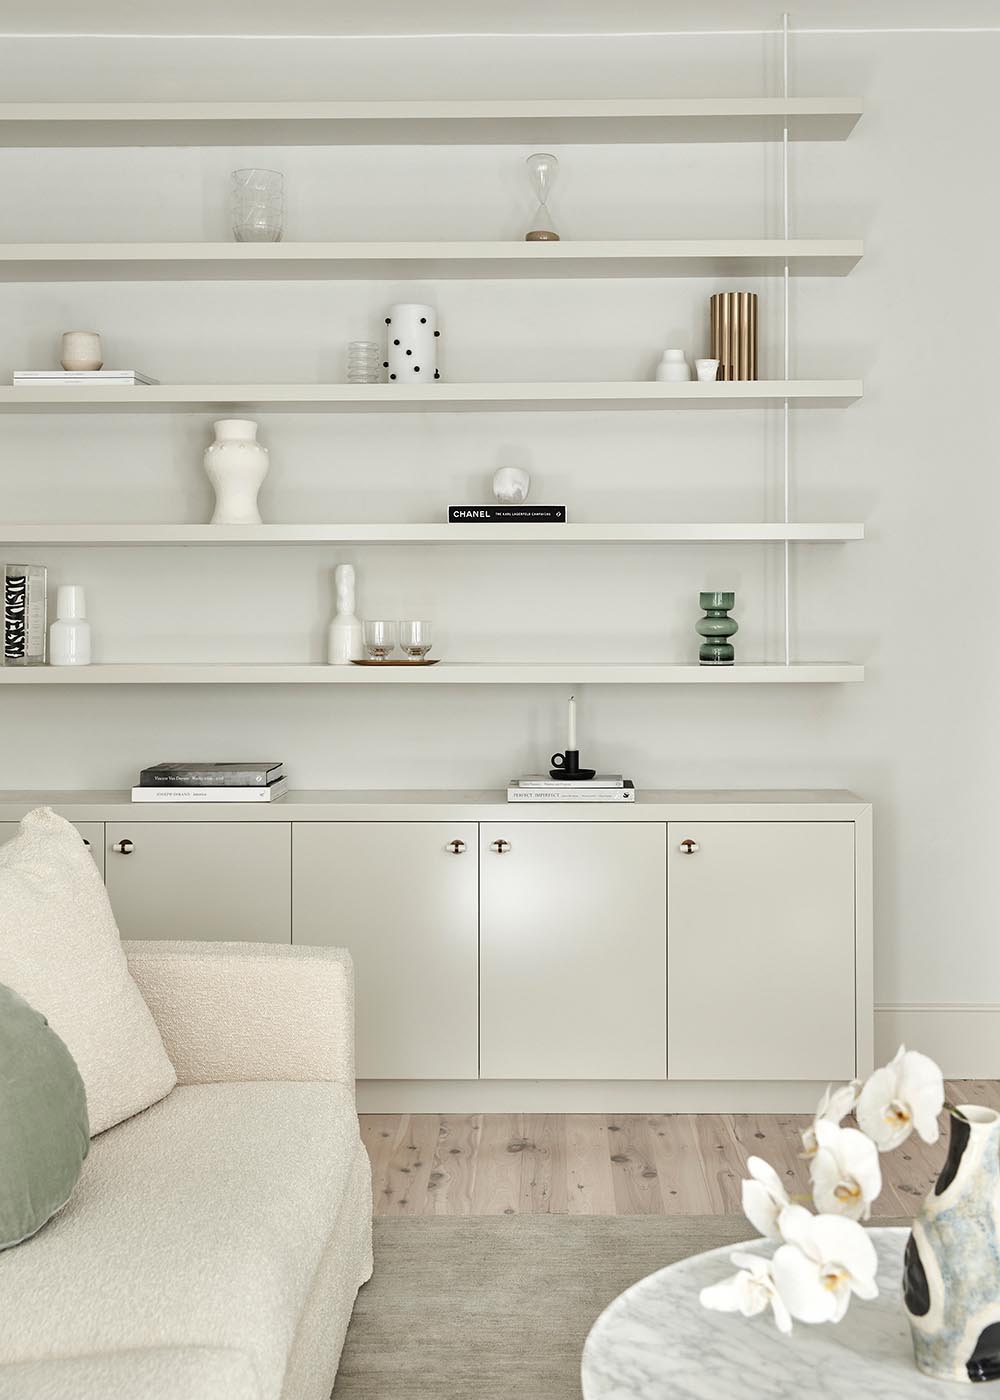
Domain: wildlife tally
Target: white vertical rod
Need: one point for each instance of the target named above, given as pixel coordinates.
(786, 341)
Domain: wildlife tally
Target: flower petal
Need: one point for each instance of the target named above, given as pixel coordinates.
(800, 1287)
(760, 1209)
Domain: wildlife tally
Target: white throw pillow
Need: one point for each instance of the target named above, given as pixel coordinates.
(60, 951)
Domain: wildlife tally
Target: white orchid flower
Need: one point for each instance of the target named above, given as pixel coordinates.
(907, 1093)
(824, 1260)
(845, 1172)
(764, 1198)
(833, 1107)
(751, 1291)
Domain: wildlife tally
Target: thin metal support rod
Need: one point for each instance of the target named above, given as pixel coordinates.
(786, 349)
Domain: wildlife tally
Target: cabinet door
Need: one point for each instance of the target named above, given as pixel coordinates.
(406, 905)
(760, 937)
(573, 950)
(201, 880)
(92, 833)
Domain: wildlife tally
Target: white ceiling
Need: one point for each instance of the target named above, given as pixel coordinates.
(385, 17)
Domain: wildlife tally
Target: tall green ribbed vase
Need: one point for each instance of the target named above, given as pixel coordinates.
(716, 627)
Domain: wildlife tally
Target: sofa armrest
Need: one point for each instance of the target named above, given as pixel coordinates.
(249, 1011)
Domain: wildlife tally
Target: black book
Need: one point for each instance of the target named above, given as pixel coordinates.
(506, 515)
(245, 774)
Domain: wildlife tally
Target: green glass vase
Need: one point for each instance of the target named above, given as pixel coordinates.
(716, 627)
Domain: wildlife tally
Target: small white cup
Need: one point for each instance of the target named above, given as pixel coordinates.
(708, 370)
(81, 350)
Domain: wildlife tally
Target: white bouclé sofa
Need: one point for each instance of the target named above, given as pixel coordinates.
(215, 1242)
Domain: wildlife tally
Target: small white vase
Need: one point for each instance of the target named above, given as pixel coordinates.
(81, 350)
(345, 639)
(673, 368)
(511, 485)
(411, 343)
(236, 465)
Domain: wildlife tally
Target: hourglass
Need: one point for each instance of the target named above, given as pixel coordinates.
(542, 170)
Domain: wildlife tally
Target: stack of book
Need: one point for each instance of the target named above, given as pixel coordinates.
(211, 782)
(605, 787)
(50, 378)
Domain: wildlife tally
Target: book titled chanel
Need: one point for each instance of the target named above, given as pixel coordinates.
(506, 515)
(24, 615)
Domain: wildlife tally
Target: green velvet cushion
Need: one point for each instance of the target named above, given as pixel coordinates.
(44, 1133)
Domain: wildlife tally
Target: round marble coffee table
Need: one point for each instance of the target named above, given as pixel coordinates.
(656, 1342)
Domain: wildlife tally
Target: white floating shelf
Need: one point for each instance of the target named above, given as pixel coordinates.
(440, 397)
(712, 257)
(447, 673)
(535, 122)
(666, 533)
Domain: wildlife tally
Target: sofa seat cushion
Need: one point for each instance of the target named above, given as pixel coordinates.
(198, 1223)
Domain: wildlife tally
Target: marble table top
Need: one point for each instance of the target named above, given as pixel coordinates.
(656, 1342)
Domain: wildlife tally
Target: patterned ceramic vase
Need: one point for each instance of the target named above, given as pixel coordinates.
(951, 1277)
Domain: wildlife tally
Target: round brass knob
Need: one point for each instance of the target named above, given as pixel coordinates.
(501, 847)
(456, 847)
(688, 847)
(124, 847)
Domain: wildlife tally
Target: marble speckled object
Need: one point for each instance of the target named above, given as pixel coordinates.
(952, 1275)
(657, 1342)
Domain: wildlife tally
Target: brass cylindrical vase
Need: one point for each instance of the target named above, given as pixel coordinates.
(733, 326)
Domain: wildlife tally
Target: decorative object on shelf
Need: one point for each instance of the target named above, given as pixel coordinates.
(733, 328)
(55, 378)
(236, 465)
(258, 206)
(542, 171)
(707, 371)
(81, 350)
(364, 362)
(606, 787)
(511, 485)
(69, 635)
(716, 626)
(673, 368)
(415, 639)
(25, 602)
(412, 337)
(506, 515)
(567, 765)
(345, 639)
(198, 773)
(951, 1274)
(380, 639)
(397, 661)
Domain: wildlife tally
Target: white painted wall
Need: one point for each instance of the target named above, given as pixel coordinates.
(916, 459)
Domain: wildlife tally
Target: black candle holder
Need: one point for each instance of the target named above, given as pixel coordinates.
(567, 766)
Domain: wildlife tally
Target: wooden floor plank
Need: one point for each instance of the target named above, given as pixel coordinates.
(410, 1165)
(589, 1177)
(456, 1156)
(543, 1164)
(497, 1186)
(683, 1183)
(634, 1172)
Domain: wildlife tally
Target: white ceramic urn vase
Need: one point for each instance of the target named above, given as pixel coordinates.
(236, 465)
(412, 336)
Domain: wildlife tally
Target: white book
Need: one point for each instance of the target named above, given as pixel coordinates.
(623, 794)
(541, 780)
(211, 794)
(38, 377)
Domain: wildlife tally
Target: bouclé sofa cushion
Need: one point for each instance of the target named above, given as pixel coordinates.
(44, 1135)
(60, 950)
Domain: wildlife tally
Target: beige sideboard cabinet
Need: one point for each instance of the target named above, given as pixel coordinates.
(695, 951)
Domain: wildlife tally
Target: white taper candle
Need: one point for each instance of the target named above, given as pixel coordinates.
(571, 741)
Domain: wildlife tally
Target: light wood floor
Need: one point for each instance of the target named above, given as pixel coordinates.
(628, 1164)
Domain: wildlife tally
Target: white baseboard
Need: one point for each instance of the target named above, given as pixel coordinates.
(963, 1037)
(584, 1096)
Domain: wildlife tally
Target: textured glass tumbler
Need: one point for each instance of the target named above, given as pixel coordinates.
(415, 639)
(258, 206)
(364, 362)
(380, 639)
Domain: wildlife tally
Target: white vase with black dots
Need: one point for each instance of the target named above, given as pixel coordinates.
(412, 339)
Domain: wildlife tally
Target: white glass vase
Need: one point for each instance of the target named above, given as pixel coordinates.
(236, 465)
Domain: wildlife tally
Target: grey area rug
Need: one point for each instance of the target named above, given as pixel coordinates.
(498, 1308)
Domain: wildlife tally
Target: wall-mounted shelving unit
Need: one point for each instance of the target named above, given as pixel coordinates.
(580, 121)
(666, 533)
(699, 257)
(570, 673)
(535, 125)
(440, 397)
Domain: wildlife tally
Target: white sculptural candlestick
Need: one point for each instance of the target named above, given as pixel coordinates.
(236, 465)
(346, 635)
